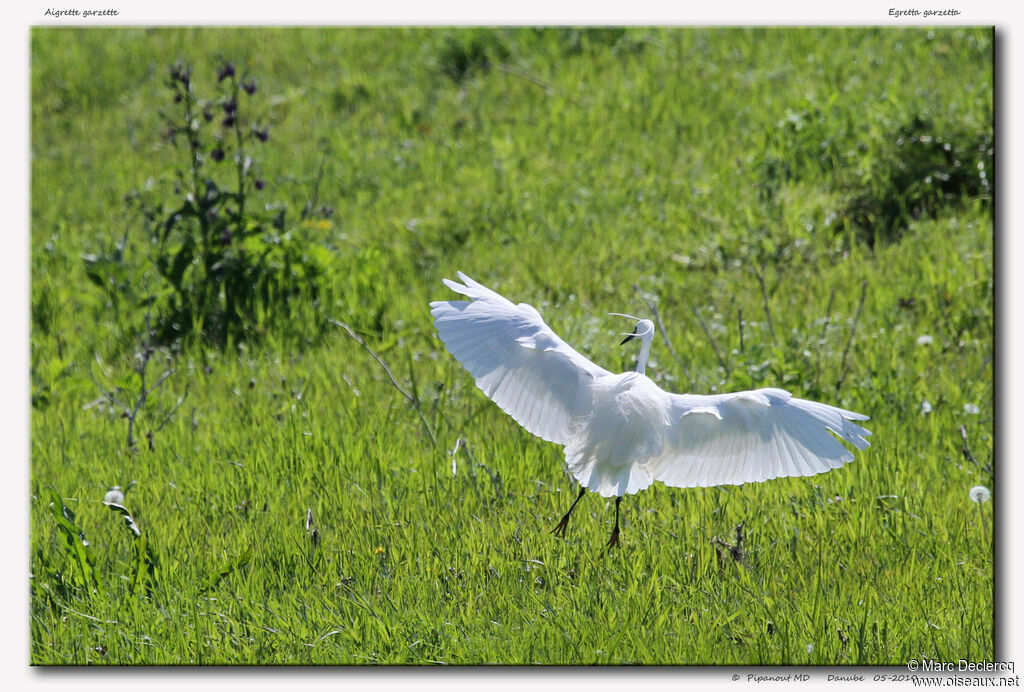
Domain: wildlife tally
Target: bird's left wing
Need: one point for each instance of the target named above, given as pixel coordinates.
(744, 437)
(517, 360)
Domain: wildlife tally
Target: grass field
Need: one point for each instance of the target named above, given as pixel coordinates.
(808, 208)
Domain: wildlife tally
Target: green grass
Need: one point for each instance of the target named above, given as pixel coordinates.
(557, 167)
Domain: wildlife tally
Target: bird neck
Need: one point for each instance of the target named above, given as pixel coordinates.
(645, 352)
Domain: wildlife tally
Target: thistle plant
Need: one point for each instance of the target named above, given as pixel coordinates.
(227, 261)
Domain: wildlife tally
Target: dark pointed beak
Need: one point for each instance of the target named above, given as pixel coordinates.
(627, 339)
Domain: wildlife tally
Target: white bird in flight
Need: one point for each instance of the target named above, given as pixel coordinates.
(622, 432)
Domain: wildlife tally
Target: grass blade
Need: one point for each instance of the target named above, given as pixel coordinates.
(228, 569)
(145, 560)
(78, 546)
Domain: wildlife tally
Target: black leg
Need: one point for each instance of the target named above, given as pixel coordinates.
(614, 540)
(560, 529)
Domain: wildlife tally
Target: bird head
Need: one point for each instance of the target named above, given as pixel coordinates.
(641, 329)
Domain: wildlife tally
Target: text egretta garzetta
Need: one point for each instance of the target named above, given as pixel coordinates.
(622, 432)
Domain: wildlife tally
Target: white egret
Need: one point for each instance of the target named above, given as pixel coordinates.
(621, 432)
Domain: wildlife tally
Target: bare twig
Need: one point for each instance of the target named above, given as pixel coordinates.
(664, 334)
(147, 354)
(739, 321)
(359, 340)
(853, 330)
(131, 413)
(522, 74)
(966, 448)
(711, 339)
(167, 418)
(413, 400)
(107, 394)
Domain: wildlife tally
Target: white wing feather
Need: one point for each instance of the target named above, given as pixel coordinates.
(744, 437)
(517, 360)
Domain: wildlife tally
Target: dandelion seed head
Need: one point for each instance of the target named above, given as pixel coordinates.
(116, 497)
(972, 409)
(924, 340)
(979, 494)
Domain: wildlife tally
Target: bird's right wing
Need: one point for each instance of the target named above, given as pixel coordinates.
(745, 437)
(517, 360)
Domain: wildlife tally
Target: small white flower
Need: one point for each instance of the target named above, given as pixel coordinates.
(810, 648)
(979, 494)
(972, 409)
(114, 496)
(926, 407)
(924, 340)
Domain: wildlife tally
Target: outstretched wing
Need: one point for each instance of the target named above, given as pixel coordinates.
(517, 360)
(744, 437)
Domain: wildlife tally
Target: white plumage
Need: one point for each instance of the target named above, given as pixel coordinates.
(621, 432)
